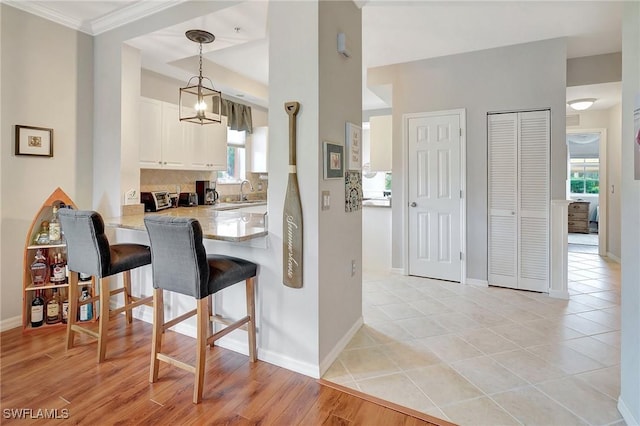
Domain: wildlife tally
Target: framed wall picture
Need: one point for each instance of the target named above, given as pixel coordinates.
(353, 140)
(333, 161)
(34, 141)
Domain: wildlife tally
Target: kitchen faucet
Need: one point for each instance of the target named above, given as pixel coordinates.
(243, 196)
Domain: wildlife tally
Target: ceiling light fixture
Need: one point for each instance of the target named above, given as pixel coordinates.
(581, 104)
(200, 104)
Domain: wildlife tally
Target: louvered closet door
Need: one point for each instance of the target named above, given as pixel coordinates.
(519, 180)
(533, 203)
(503, 175)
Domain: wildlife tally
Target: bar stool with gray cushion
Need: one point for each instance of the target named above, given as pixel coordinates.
(89, 252)
(181, 264)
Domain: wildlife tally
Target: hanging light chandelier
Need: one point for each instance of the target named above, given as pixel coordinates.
(200, 104)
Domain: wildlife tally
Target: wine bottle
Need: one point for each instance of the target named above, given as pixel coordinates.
(37, 310)
(53, 308)
(39, 269)
(65, 309)
(86, 310)
(58, 270)
(54, 228)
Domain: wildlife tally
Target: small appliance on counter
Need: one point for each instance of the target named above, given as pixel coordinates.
(188, 199)
(155, 200)
(173, 196)
(206, 190)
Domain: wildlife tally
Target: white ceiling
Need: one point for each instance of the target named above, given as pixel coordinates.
(393, 32)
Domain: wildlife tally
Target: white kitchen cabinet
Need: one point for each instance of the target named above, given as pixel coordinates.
(162, 136)
(174, 137)
(380, 136)
(150, 138)
(168, 143)
(208, 146)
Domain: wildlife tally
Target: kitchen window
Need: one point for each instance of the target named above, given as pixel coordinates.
(236, 158)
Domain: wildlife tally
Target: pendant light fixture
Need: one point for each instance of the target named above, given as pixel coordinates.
(200, 104)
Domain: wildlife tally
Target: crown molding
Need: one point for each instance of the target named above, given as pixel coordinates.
(130, 13)
(99, 25)
(48, 14)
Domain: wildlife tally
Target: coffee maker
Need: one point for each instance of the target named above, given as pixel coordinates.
(206, 190)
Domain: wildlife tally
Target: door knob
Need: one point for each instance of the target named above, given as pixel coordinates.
(413, 204)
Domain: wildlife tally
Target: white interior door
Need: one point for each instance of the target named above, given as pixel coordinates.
(519, 182)
(533, 189)
(502, 132)
(434, 196)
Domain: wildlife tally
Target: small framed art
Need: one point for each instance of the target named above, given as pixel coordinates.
(333, 161)
(353, 139)
(34, 141)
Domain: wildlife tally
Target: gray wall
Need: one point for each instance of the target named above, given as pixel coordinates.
(340, 295)
(521, 77)
(629, 401)
(594, 69)
(46, 82)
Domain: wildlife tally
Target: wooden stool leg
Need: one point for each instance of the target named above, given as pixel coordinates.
(156, 338)
(251, 312)
(127, 294)
(210, 301)
(202, 318)
(73, 307)
(104, 319)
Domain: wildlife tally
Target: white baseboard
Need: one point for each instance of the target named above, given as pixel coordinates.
(9, 323)
(240, 345)
(559, 294)
(398, 271)
(479, 283)
(339, 347)
(626, 414)
(613, 257)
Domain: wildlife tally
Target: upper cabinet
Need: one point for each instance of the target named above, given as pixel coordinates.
(168, 143)
(259, 146)
(150, 137)
(209, 146)
(381, 136)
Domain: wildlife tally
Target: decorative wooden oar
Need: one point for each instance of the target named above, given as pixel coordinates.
(292, 214)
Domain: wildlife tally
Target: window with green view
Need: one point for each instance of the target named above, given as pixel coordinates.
(585, 176)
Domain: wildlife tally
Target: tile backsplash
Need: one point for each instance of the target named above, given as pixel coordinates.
(170, 180)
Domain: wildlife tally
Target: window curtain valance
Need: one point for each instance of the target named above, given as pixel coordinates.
(238, 115)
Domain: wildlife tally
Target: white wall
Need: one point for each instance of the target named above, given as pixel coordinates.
(526, 76)
(629, 401)
(614, 156)
(46, 82)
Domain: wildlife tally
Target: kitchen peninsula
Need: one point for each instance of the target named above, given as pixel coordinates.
(224, 222)
(233, 229)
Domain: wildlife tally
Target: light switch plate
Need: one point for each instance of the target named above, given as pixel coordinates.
(326, 200)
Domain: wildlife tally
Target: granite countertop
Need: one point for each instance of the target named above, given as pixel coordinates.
(376, 202)
(217, 223)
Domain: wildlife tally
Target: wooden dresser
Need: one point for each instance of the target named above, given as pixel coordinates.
(579, 217)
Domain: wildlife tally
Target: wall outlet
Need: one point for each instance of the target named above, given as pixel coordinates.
(353, 267)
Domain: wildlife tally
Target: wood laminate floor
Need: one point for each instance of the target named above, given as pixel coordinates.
(37, 373)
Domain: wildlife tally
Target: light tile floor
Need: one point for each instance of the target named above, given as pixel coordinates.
(491, 356)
